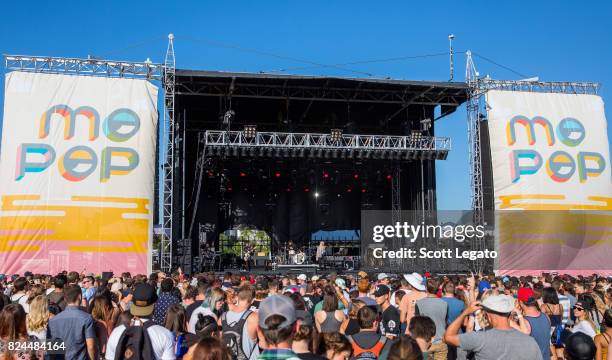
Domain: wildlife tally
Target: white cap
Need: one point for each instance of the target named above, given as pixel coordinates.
(382, 276)
(302, 277)
(503, 304)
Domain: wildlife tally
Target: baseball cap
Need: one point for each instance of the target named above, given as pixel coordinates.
(315, 278)
(381, 290)
(526, 295)
(502, 304)
(261, 285)
(483, 285)
(382, 276)
(302, 277)
(580, 346)
(144, 297)
(277, 305)
(341, 283)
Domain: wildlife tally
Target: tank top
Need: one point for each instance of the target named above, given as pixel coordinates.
(330, 324)
(604, 349)
(249, 346)
(555, 320)
(540, 331)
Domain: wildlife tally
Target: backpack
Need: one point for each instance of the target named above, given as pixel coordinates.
(556, 336)
(232, 335)
(135, 343)
(17, 301)
(367, 353)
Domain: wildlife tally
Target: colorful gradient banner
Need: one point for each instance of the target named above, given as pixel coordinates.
(77, 168)
(550, 156)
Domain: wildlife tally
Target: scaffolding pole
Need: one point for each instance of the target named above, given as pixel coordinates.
(165, 255)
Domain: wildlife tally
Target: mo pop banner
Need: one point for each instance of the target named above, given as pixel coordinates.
(77, 167)
(550, 158)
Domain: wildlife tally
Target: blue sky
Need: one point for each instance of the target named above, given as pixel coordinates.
(555, 40)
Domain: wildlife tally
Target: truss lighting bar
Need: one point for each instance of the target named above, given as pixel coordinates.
(250, 131)
(93, 67)
(276, 144)
(336, 135)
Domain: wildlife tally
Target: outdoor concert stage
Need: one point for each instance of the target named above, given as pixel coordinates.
(262, 160)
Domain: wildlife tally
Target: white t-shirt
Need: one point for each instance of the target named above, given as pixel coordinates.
(22, 299)
(584, 327)
(193, 320)
(161, 339)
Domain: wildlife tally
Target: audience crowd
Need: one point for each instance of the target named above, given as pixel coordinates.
(335, 317)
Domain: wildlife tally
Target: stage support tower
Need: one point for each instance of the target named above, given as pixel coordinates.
(169, 165)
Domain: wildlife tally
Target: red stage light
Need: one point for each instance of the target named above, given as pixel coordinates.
(325, 175)
(211, 173)
(349, 190)
(230, 189)
(306, 189)
(356, 176)
(277, 174)
(243, 174)
(389, 177)
(288, 190)
(363, 190)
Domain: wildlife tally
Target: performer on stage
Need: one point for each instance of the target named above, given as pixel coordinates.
(320, 252)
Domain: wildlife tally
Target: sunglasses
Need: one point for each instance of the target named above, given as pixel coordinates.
(578, 308)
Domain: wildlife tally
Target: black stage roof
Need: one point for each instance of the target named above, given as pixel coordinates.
(332, 88)
(312, 103)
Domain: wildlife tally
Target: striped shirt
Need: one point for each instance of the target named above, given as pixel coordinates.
(285, 354)
(565, 302)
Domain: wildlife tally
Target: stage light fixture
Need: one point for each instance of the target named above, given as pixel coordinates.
(348, 190)
(250, 131)
(316, 194)
(389, 177)
(335, 135)
(243, 174)
(355, 176)
(306, 189)
(325, 175)
(363, 190)
(277, 174)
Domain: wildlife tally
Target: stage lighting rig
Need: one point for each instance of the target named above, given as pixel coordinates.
(250, 131)
(335, 135)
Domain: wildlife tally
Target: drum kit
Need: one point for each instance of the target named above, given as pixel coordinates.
(288, 255)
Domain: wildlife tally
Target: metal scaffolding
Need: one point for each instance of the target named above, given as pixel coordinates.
(165, 253)
(325, 145)
(91, 67)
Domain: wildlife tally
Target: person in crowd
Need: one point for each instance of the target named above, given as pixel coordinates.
(88, 289)
(368, 340)
(14, 336)
(303, 340)
(423, 330)
(208, 348)
(207, 326)
(74, 327)
(19, 295)
(405, 348)
(604, 339)
(161, 339)
(177, 324)
(363, 288)
(501, 341)
(564, 301)
(584, 322)
(38, 317)
(329, 318)
(277, 325)
(383, 279)
(408, 303)
(212, 302)
(350, 325)
(335, 346)
(57, 295)
(390, 317)
(124, 319)
(201, 288)
(239, 324)
(437, 310)
(579, 346)
(536, 323)
(165, 300)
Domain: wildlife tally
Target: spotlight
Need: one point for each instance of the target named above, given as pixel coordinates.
(250, 131)
(306, 189)
(243, 174)
(335, 135)
(363, 190)
(316, 194)
(389, 177)
(355, 176)
(325, 175)
(348, 190)
(277, 174)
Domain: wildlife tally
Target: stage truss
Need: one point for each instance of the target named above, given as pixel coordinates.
(326, 145)
(477, 112)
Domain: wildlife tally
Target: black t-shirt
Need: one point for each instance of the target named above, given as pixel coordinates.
(352, 327)
(190, 308)
(310, 356)
(310, 301)
(390, 324)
